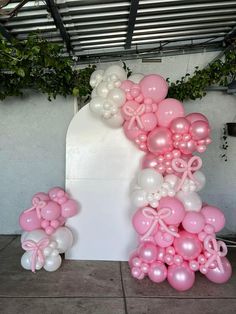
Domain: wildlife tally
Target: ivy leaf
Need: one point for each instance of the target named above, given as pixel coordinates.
(75, 91)
(20, 72)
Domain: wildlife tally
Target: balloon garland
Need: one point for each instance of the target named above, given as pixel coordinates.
(45, 236)
(176, 230)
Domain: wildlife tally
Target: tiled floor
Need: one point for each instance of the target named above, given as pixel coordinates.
(102, 288)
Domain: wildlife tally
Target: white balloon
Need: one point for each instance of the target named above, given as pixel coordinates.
(64, 238)
(150, 180)
(154, 203)
(200, 177)
(52, 263)
(23, 236)
(26, 261)
(172, 179)
(117, 70)
(96, 105)
(96, 78)
(36, 235)
(102, 89)
(136, 77)
(47, 251)
(118, 96)
(115, 121)
(190, 200)
(93, 93)
(139, 198)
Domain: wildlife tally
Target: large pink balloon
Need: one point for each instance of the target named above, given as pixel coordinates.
(51, 211)
(199, 130)
(187, 245)
(154, 86)
(180, 125)
(149, 121)
(180, 277)
(159, 141)
(69, 208)
(215, 275)
(29, 221)
(157, 272)
(177, 209)
(214, 217)
(168, 110)
(193, 222)
(195, 116)
(141, 223)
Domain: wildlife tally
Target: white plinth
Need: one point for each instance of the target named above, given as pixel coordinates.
(100, 165)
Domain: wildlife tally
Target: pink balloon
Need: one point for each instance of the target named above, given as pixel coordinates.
(149, 161)
(132, 105)
(187, 245)
(193, 222)
(187, 147)
(41, 196)
(69, 209)
(133, 132)
(126, 85)
(154, 86)
(55, 193)
(163, 239)
(199, 130)
(180, 125)
(51, 211)
(159, 141)
(195, 116)
(149, 121)
(29, 221)
(168, 110)
(180, 277)
(215, 275)
(157, 272)
(214, 217)
(148, 252)
(140, 222)
(177, 209)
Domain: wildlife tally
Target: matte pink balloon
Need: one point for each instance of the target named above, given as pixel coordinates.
(56, 192)
(193, 222)
(141, 223)
(126, 85)
(149, 121)
(168, 110)
(199, 130)
(214, 217)
(133, 132)
(154, 86)
(159, 141)
(157, 272)
(41, 196)
(180, 277)
(163, 239)
(149, 161)
(51, 211)
(148, 252)
(195, 116)
(180, 126)
(215, 275)
(69, 209)
(187, 245)
(177, 209)
(29, 221)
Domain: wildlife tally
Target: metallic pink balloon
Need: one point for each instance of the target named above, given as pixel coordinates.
(180, 277)
(180, 126)
(193, 222)
(168, 110)
(159, 141)
(188, 245)
(214, 217)
(149, 161)
(148, 252)
(195, 116)
(157, 272)
(199, 130)
(215, 275)
(187, 147)
(154, 86)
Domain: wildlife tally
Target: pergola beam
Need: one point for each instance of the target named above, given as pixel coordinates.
(132, 18)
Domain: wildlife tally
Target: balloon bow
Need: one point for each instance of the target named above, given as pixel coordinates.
(134, 115)
(37, 205)
(217, 249)
(36, 248)
(157, 217)
(187, 168)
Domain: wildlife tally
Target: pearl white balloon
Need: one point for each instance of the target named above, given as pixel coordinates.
(96, 78)
(115, 121)
(93, 93)
(200, 177)
(52, 263)
(172, 179)
(102, 89)
(190, 200)
(150, 180)
(26, 262)
(64, 238)
(96, 105)
(136, 77)
(35, 235)
(139, 198)
(23, 236)
(118, 96)
(117, 70)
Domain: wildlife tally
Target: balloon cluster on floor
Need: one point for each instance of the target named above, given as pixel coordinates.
(45, 237)
(177, 232)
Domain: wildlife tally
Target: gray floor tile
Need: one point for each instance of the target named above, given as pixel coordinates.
(180, 306)
(62, 306)
(5, 240)
(202, 287)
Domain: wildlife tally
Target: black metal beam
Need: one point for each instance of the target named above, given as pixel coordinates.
(5, 33)
(52, 7)
(132, 18)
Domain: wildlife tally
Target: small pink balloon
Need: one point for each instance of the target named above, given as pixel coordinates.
(180, 277)
(159, 141)
(140, 222)
(55, 224)
(41, 196)
(53, 192)
(51, 211)
(148, 252)
(157, 272)
(193, 222)
(154, 86)
(180, 125)
(160, 254)
(168, 110)
(45, 223)
(217, 276)
(126, 85)
(177, 209)
(29, 221)
(132, 256)
(199, 130)
(133, 132)
(69, 209)
(214, 217)
(149, 121)
(163, 239)
(188, 245)
(149, 161)
(49, 230)
(195, 116)
(187, 147)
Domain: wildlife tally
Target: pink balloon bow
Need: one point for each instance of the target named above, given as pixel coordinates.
(135, 115)
(186, 168)
(36, 247)
(157, 217)
(38, 205)
(217, 249)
